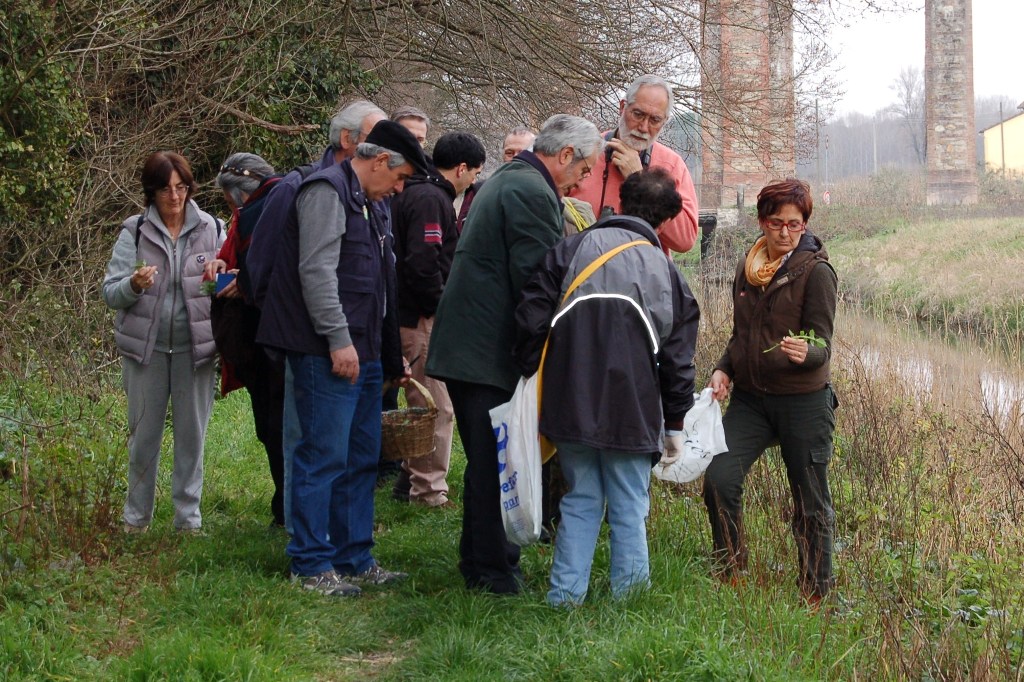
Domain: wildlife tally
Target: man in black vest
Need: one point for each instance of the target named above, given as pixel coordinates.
(348, 128)
(331, 308)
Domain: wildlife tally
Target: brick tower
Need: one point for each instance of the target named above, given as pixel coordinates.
(747, 99)
(949, 94)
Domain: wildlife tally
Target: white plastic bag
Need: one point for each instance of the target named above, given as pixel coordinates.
(515, 426)
(704, 438)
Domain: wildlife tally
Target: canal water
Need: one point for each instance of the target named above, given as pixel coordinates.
(962, 376)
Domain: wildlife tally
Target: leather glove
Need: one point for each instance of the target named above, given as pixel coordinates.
(673, 447)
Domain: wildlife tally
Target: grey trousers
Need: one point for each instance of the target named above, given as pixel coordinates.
(802, 425)
(167, 377)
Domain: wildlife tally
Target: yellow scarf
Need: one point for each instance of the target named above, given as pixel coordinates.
(758, 268)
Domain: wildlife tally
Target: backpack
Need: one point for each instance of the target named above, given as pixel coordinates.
(259, 270)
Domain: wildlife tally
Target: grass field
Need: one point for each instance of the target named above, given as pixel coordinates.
(928, 562)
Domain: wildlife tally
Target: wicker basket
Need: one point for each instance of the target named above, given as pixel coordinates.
(408, 433)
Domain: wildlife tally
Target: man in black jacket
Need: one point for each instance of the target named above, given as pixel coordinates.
(425, 235)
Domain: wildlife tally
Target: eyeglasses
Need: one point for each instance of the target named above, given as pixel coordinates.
(792, 225)
(586, 169)
(177, 189)
(359, 136)
(641, 116)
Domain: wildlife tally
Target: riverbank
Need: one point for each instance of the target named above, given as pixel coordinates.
(928, 562)
(959, 276)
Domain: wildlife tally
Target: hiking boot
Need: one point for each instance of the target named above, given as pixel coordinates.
(135, 530)
(327, 583)
(375, 575)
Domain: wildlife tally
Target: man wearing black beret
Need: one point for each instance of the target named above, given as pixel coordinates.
(329, 308)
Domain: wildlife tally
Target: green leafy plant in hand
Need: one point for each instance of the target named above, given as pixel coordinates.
(139, 264)
(208, 287)
(808, 336)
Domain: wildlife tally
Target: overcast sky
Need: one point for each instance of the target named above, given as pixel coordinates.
(872, 53)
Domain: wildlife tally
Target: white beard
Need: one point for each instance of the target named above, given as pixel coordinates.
(633, 139)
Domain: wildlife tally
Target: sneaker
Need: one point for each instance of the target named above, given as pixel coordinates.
(813, 600)
(375, 575)
(327, 583)
(135, 530)
(195, 532)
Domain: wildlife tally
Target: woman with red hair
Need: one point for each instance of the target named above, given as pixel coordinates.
(780, 383)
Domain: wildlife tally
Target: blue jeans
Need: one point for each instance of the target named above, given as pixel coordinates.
(622, 479)
(334, 466)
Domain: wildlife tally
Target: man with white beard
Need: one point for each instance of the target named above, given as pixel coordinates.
(633, 146)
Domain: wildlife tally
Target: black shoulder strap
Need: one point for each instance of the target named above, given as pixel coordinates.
(308, 169)
(138, 224)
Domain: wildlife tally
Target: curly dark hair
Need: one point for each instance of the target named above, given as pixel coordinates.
(777, 194)
(650, 195)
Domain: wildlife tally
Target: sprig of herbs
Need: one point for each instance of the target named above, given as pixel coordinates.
(808, 336)
(208, 287)
(140, 264)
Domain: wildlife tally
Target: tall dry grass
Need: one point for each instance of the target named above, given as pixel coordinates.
(928, 493)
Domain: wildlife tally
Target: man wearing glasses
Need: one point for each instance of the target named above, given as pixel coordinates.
(516, 218)
(632, 147)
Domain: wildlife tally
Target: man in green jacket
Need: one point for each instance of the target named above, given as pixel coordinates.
(515, 219)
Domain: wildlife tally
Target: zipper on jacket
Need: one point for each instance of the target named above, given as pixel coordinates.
(174, 293)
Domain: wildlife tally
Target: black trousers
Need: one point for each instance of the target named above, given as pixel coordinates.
(488, 561)
(802, 425)
(386, 468)
(263, 377)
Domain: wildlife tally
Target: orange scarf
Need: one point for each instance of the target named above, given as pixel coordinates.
(758, 268)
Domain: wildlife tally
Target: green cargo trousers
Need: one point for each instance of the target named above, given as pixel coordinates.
(802, 425)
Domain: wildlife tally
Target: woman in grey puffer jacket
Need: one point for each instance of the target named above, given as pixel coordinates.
(163, 333)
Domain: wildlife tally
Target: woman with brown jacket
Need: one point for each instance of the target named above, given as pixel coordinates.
(777, 366)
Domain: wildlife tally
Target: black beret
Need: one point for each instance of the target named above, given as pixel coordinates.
(395, 138)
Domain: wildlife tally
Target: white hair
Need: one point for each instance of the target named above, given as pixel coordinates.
(563, 130)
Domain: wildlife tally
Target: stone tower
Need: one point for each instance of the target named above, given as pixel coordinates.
(949, 106)
(748, 99)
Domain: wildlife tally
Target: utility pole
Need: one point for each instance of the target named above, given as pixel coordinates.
(874, 142)
(826, 160)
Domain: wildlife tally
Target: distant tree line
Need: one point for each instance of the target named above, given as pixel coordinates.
(859, 144)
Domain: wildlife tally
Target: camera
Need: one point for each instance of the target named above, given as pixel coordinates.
(608, 151)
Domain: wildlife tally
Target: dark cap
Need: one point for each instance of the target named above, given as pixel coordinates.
(395, 138)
